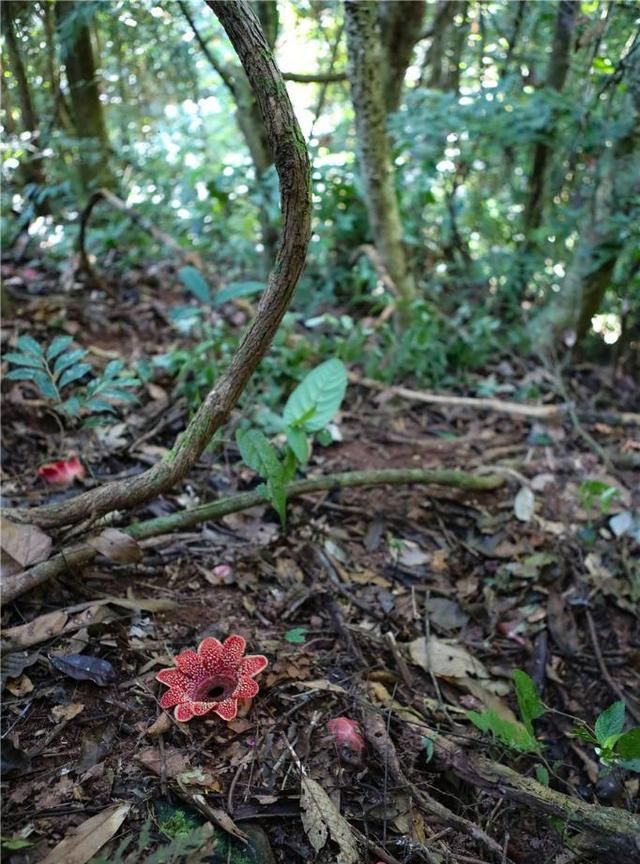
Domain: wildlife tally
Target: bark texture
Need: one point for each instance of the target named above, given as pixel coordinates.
(557, 71)
(617, 191)
(86, 107)
(401, 25)
(292, 164)
(33, 168)
(366, 58)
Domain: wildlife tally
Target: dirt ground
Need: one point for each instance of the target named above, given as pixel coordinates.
(338, 603)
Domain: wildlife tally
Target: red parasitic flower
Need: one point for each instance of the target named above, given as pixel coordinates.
(63, 472)
(211, 679)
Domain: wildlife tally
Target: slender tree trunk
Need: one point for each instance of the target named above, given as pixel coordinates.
(617, 191)
(401, 25)
(556, 77)
(445, 13)
(249, 122)
(86, 107)
(364, 48)
(267, 12)
(32, 168)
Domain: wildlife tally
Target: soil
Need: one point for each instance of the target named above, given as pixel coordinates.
(545, 585)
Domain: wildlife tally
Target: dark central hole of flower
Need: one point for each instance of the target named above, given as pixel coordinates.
(215, 689)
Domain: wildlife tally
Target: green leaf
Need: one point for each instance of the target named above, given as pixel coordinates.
(59, 344)
(99, 405)
(257, 453)
(237, 289)
(73, 374)
(316, 399)
(542, 775)
(528, 700)
(427, 743)
(512, 734)
(45, 385)
(297, 635)
(69, 359)
(278, 497)
(22, 374)
(112, 368)
(194, 281)
(610, 722)
(23, 360)
(72, 406)
(299, 444)
(29, 346)
(628, 745)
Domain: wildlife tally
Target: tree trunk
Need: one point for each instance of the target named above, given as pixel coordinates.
(249, 120)
(32, 168)
(436, 56)
(556, 77)
(364, 49)
(86, 107)
(401, 25)
(617, 192)
(267, 12)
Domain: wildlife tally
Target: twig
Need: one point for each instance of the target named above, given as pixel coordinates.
(541, 412)
(605, 672)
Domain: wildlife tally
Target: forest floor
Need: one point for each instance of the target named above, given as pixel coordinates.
(545, 580)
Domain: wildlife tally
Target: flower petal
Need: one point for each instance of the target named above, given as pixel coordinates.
(201, 708)
(171, 698)
(247, 688)
(189, 663)
(171, 677)
(210, 653)
(183, 712)
(233, 650)
(253, 664)
(227, 709)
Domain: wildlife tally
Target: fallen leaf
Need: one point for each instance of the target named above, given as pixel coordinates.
(446, 614)
(26, 544)
(174, 761)
(21, 686)
(320, 818)
(412, 555)
(159, 726)
(562, 625)
(84, 841)
(67, 712)
(14, 664)
(84, 667)
(117, 546)
(39, 630)
(524, 504)
(445, 658)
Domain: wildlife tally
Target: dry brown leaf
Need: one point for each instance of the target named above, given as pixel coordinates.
(81, 844)
(67, 712)
(321, 819)
(174, 761)
(26, 544)
(117, 546)
(39, 630)
(445, 658)
(160, 726)
(20, 686)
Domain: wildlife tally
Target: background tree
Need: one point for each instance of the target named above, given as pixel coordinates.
(367, 92)
(84, 90)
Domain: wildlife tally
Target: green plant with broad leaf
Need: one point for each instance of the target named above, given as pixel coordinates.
(66, 381)
(519, 735)
(308, 411)
(613, 746)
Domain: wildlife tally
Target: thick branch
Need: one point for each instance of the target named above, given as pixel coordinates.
(82, 554)
(292, 164)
